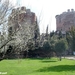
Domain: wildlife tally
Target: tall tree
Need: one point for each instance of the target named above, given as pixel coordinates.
(70, 36)
(60, 47)
(5, 9)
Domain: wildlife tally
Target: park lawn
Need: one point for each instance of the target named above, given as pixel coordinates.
(38, 67)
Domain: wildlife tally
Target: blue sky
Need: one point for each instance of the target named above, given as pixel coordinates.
(47, 9)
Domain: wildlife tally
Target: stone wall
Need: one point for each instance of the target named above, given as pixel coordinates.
(65, 20)
(23, 27)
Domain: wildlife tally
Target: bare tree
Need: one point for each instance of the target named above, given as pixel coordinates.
(23, 28)
(23, 37)
(5, 9)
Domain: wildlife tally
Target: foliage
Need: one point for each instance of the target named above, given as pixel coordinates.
(58, 43)
(52, 44)
(61, 46)
(26, 34)
(21, 35)
(5, 9)
(52, 33)
(70, 36)
(46, 46)
(60, 35)
(52, 40)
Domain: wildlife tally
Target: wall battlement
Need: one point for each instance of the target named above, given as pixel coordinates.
(22, 14)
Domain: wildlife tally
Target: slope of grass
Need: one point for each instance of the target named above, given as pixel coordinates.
(38, 67)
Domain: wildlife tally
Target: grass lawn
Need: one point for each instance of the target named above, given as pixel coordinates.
(38, 67)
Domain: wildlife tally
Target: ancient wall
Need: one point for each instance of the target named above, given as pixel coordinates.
(65, 20)
(22, 24)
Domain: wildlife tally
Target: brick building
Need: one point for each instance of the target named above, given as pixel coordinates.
(65, 20)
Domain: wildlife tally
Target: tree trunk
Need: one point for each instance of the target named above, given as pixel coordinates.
(27, 54)
(60, 58)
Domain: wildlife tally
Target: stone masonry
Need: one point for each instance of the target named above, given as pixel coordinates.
(65, 20)
(23, 27)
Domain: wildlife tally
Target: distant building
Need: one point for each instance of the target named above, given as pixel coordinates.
(65, 20)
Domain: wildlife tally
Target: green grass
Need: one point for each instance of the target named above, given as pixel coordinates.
(38, 67)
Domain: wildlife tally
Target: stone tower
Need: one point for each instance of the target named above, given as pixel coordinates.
(65, 20)
(23, 27)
